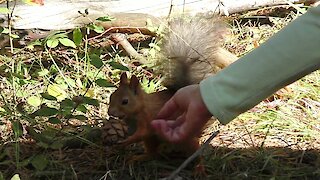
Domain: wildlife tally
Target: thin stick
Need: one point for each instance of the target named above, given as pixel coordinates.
(192, 157)
(119, 28)
(122, 40)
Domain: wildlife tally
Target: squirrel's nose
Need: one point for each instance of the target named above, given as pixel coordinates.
(111, 112)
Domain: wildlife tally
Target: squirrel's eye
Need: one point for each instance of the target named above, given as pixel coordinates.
(124, 101)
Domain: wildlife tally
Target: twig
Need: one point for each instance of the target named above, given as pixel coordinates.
(192, 157)
(170, 9)
(117, 29)
(10, 24)
(267, 133)
(122, 40)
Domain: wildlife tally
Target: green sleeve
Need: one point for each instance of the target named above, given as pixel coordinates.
(286, 57)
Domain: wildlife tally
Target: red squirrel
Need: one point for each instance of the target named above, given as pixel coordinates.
(190, 51)
(131, 103)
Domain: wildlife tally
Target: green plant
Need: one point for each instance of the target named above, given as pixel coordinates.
(55, 38)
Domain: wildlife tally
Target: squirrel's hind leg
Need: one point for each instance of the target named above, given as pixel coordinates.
(151, 145)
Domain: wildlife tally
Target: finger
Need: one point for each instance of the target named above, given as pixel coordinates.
(175, 135)
(160, 126)
(177, 122)
(171, 134)
(169, 108)
(172, 123)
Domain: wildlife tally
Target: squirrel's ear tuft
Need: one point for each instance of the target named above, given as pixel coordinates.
(134, 84)
(124, 78)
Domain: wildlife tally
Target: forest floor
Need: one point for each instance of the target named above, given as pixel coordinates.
(48, 132)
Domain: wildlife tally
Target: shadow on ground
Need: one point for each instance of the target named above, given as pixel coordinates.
(95, 162)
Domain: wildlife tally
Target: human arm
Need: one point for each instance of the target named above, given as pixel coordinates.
(287, 56)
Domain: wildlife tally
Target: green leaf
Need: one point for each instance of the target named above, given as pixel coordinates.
(43, 72)
(17, 128)
(104, 83)
(66, 107)
(1, 29)
(34, 43)
(55, 91)
(46, 111)
(96, 28)
(4, 10)
(77, 36)
(58, 35)
(40, 162)
(48, 96)
(67, 104)
(34, 101)
(43, 138)
(15, 177)
(14, 36)
(105, 18)
(70, 81)
(96, 61)
(116, 65)
(2, 109)
(54, 120)
(5, 30)
(90, 101)
(82, 108)
(80, 117)
(52, 43)
(67, 42)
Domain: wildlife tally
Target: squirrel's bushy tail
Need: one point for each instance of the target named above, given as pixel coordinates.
(188, 51)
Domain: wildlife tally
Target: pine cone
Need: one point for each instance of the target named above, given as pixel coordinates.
(113, 131)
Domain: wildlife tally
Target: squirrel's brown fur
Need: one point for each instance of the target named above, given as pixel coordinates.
(131, 103)
(188, 54)
(189, 51)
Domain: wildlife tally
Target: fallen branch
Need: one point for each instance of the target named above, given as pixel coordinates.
(130, 30)
(122, 40)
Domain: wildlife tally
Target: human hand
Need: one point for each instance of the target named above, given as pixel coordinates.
(189, 123)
